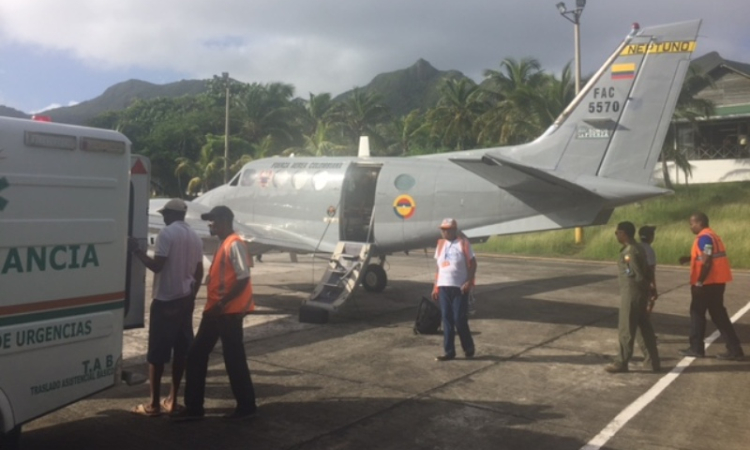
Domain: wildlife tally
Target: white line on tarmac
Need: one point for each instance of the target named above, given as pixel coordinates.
(641, 402)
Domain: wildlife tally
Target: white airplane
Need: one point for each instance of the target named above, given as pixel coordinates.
(598, 155)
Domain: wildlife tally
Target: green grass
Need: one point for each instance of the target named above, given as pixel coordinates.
(726, 204)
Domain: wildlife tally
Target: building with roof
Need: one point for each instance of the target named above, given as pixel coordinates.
(718, 146)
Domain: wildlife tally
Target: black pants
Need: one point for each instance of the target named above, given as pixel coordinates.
(228, 328)
(711, 298)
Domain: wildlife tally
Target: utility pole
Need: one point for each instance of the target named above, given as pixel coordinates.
(576, 20)
(225, 76)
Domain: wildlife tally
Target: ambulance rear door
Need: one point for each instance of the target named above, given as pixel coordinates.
(135, 289)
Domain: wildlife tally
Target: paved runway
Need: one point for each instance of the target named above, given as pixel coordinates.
(544, 329)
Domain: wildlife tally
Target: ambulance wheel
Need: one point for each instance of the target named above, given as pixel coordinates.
(374, 279)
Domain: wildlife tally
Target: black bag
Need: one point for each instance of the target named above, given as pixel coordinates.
(428, 317)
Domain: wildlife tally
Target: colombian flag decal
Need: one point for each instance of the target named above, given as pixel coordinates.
(404, 206)
(623, 71)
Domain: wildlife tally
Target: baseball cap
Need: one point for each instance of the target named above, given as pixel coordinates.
(175, 204)
(448, 224)
(218, 212)
(646, 231)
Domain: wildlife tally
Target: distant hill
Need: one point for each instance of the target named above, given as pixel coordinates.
(115, 98)
(415, 87)
(10, 112)
(120, 95)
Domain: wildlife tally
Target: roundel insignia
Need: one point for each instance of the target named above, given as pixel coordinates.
(404, 206)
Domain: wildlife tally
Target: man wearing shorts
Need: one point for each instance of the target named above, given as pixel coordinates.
(178, 269)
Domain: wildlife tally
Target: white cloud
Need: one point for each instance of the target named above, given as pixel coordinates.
(53, 106)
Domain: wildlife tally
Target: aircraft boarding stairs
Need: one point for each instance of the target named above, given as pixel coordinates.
(342, 276)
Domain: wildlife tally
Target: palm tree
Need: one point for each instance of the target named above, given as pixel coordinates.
(555, 96)
(406, 131)
(318, 144)
(516, 90)
(318, 110)
(359, 115)
(453, 119)
(688, 110)
(268, 110)
(207, 171)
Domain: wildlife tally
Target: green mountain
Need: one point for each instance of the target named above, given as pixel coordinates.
(11, 112)
(115, 98)
(416, 87)
(119, 96)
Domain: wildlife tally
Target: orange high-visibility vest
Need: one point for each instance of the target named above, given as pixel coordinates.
(720, 272)
(467, 258)
(222, 277)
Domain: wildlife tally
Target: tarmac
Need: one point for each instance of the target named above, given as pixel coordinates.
(544, 329)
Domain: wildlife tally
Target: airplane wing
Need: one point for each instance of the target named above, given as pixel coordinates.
(259, 238)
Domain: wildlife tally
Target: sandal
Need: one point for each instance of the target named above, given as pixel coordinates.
(165, 406)
(145, 409)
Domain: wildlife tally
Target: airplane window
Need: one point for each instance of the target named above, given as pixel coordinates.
(299, 179)
(281, 178)
(404, 182)
(248, 177)
(320, 179)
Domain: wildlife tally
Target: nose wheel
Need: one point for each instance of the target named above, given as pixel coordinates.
(374, 279)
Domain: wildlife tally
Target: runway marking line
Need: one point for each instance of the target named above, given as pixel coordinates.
(641, 402)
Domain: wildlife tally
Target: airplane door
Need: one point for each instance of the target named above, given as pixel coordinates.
(358, 202)
(135, 284)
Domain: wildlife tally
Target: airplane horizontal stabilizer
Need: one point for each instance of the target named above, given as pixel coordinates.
(518, 178)
(514, 176)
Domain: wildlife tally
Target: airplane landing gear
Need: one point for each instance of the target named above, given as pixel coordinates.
(374, 279)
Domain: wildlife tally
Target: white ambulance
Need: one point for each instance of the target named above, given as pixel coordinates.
(69, 197)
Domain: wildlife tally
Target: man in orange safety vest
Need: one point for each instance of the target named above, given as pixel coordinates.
(230, 297)
(709, 275)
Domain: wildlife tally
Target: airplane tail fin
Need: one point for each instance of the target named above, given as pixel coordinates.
(614, 129)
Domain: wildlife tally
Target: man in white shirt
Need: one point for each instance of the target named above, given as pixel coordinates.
(456, 266)
(178, 269)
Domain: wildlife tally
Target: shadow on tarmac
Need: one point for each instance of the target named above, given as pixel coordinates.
(341, 423)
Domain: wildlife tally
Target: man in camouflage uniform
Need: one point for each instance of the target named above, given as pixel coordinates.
(635, 281)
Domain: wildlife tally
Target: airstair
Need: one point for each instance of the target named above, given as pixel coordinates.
(341, 278)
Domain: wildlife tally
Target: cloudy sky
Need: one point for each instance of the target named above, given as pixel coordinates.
(55, 52)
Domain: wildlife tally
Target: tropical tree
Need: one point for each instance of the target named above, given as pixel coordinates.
(164, 129)
(265, 110)
(317, 110)
(516, 92)
(359, 115)
(688, 110)
(205, 172)
(318, 144)
(403, 133)
(555, 96)
(453, 119)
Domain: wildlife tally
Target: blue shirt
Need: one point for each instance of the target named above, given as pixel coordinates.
(705, 240)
